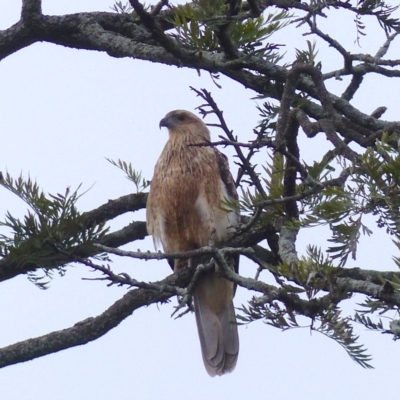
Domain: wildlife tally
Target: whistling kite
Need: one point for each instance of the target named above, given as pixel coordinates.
(184, 209)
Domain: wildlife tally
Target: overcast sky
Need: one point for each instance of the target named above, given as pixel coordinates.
(62, 112)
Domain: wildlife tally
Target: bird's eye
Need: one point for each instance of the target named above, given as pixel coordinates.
(181, 117)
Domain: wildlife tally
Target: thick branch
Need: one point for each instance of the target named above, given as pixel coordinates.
(114, 208)
(31, 9)
(50, 258)
(122, 35)
(91, 328)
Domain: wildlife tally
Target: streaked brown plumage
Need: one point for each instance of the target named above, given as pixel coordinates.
(183, 210)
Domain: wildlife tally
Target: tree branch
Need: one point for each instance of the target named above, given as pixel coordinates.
(92, 328)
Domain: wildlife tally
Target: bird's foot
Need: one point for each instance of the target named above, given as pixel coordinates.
(186, 301)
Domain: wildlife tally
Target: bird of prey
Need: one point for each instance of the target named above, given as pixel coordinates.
(184, 209)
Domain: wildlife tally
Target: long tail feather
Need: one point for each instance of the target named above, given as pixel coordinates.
(216, 324)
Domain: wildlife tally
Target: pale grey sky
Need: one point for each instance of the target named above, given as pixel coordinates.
(62, 112)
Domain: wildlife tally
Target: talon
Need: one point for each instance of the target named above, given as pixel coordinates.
(184, 301)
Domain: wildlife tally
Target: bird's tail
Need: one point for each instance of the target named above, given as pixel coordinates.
(216, 324)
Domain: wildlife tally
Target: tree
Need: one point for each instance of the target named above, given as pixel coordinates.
(281, 195)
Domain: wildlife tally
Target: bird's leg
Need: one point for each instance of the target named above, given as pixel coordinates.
(187, 299)
(211, 242)
(184, 301)
(199, 271)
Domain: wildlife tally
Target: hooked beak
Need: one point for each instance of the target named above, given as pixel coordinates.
(164, 122)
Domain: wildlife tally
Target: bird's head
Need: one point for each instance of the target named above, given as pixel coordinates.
(182, 122)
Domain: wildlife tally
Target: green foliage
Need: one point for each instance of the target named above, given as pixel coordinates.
(341, 330)
(373, 188)
(311, 273)
(248, 199)
(320, 170)
(378, 180)
(274, 190)
(51, 227)
(368, 323)
(371, 306)
(131, 174)
(315, 271)
(197, 26)
(331, 205)
(307, 56)
(276, 316)
(342, 208)
(249, 35)
(397, 259)
(121, 8)
(275, 172)
(192, 29)
(328, 322)
(338, 208)
(229, 204)
(347, 235)
(266, 127)
(381, 10)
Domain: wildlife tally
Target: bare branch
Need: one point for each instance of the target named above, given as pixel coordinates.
(91, 328)
(245, 163)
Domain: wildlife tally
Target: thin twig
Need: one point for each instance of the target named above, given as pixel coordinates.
(245, 163)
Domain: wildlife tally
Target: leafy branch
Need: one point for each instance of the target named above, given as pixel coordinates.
(131, 174)
(52, 222)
